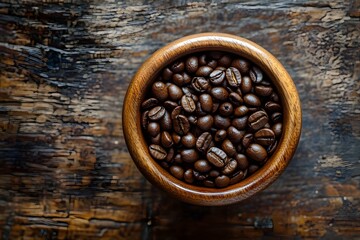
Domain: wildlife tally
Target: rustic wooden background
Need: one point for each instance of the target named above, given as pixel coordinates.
(65, 172)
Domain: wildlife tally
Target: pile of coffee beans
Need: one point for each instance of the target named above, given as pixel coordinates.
(212, 119)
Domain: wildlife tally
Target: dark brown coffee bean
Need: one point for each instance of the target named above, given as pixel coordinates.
(178, 79)
(252, 100)
(159, 90)
(222, 181)
(156, 113)
(212, 63)
(181, 125)
(216, 55)
(239, 148)
(166, 139)
(189, 140)
(170, 105)
(177, 111)
(176, 138)
(221, 122)
(230, 167)
(276, 117)
(209, 183)
(189, 176)
(214, 173)
(149, 103)
(220, 135)
(237, 177)
(252, 169)
(242, 65)
(267, 125)
(167, 74)
(177, 67)
(200, 177)
(256, 74)
(205, 123)
(243, 162)
(271, 107)
(192, 64)
(153, 129)
(178, 159)
(217, 77)
(166, 122)
(145, 119)
(264, 137)
(228, 147)
(216, 156)
(188, 104)
(265, 83)
(277, 129)
(257, 120)
(206, 102)
(189, 155)
(200, 84)
(219, 93)
(156, 140)
(199, 110)
(203, 142)
(225, 61)
(170, 155)
(235, 99)
(256, 152)
(247, 140)
(240, 123)
(241, 111)
(192, 120)
(274, 97)
(263, 91)
(246, 84)
(177, 172)
(157, 152)
(203, 71)
(202, 166)
(215, 107)
(226, 109)
(233, 77)
(235, 135)
(175, 93)
(271, 149)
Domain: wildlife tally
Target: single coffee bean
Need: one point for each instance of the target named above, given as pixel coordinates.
(216, 156)
(276, 117)
(221, 122)
(217, 77)
(159, 91)
(192, 64)
(256, 152)
(145, 119)
(203, 59)
(252, 169)
(149, 103)
(188, 103)
(177, 172)
(153, 129)
(220, 135)
(235, 99)
(247, 140)
(202, 166)
(178, 79)
(235, 135)
(240, 123)
(156, 113)
(257, 120)
(156, 140)
(206, 102)
(205, 123)
(177, 67)
(246, 84)
(277, 129)
(175, 93)
(263, 91)
(157, 152)
(178, 159)
(192, 120)
(188, 140)
(267, 125)
(242, 65)
(241, 111)
(199, 110)
(252, 100)
(176, 138)
(239, 148)
(203, 142)
(271, 107)
(272, 147)
(237, 177)
(242, 160)
(215, 107)
(222, 181)
(170, 105)
(181, 125)
(219, 93)
(216, 55)
(170, 155)
(189, 155)
(265, 83)
(209, 183)
(228, 148)
(226, 109)
(167, 74)
(203, 71)
(225, 61)
(233, 77)
(166, 122)
(166, 139)
(256, 74)
(200, 84)
(264, 137)
(189, 176)
(230, 167)
(177, 111)
(212, 63)
(164, 164)
(214, 173)
(274, 97)
(200, 177)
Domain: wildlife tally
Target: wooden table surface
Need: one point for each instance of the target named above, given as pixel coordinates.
(65, 172)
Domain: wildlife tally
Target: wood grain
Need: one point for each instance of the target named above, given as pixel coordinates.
(65, 170)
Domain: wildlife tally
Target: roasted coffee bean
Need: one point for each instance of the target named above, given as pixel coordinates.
(156, 113)
(166, 122)
(247, 140)
(177, 111)
(206, 102)
(157, 152)
(228, 148)
(159, 90)
(178, 79)
(237, 177)
(176, 138)
(277, 129)
(263, 91)
(219, 93)
(189, 176)
(202, 166)
(256, 152)
(267, 125)
(272, 147)
(252, 100)
(217, 77)
(188, 103)
(271, 107)
(252, 168)
(203, 142)
(178, 159)
(177, 67)
(235, 135)
(243, 162)
(226, 109)
(216, 156)
(170, 155)
(222, 181)
(167, 74)
(164, 164)
(199, 110)
(225, 61)
(274, 97)
(242, 65)
(233, 77)
(189, 140)
(221, 122)
(189, 155)
(166, 139)
(177, 172)
(209, 183)
(220, 135)
(175, 93)
(149, 103)
(145, 119)
(192, 64)
(239, 148)
(215, 107)
(240, 123)
(212, 63)
(216, 55)
(198, 176)
(241, 111)
(181, 125)
(192, 120)
(205, 123)
(170, 105)
(156, 139)
(203, 71)
(276, 117)
(230, 167)
(200, 84)
(256, 74)
(235, 99)
(264, 137)
(153, 129)
(257, 120)
(214, 173)
(246, 84)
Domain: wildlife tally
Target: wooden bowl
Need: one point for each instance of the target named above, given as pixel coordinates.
(267, 174)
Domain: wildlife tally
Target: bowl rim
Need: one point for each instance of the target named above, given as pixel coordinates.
(146, 75)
